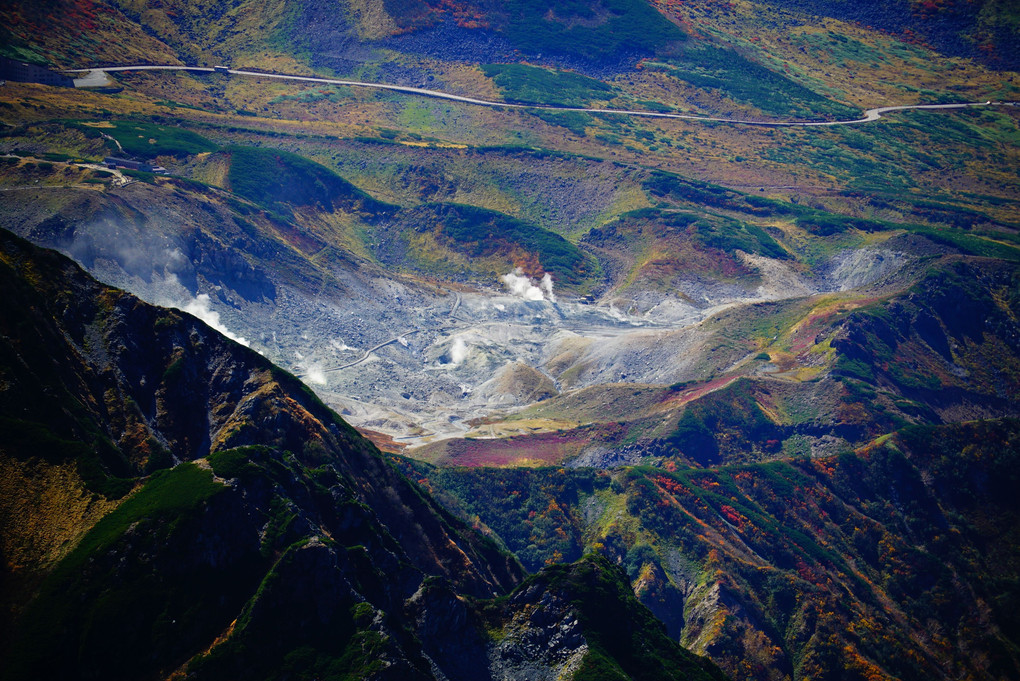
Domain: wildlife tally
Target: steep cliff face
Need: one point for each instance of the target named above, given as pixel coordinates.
(150, 407)
(587, 605)
(175, 505)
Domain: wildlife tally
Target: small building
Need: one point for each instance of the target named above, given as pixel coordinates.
(142, 166)
(23, 72)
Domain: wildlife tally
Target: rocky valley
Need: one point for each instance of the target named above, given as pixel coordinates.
(517, 340)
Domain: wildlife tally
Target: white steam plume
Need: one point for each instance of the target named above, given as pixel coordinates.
(547, 285)
(520, 286)
(315, 374)
(200, 307)
(459, 350)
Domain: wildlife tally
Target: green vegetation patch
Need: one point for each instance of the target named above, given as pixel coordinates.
(731, 235)
(148, 140)
(961, 235)
(585, 28)
(675, 189)
(332, 93)
(574, 121)
(238, 463)
(274, 178)
(533, 85)
(533, 510)
(730, 421)
(481, 233)
(971, 244)
(741, 79)
(110, 600)
(625, 640)
(167, 492)
(338, 644)
(827, 224)
(949, 317)
(711, 231)
(103, 468)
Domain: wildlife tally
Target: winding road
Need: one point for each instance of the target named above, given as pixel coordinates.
(368, 353)
(96, 75)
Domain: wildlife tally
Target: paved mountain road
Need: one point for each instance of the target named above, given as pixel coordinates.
(870, 115)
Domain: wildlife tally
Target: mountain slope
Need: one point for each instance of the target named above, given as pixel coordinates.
(931, 346)
(897, 561)
(986, 30)
(235, 527)
(119, 388)
(793, 326)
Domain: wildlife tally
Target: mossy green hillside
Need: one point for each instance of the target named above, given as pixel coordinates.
(482, 235)
(739, 78)
(533, 85)
(271, 177)
(147, 140)
(582, 28)
(625, 640)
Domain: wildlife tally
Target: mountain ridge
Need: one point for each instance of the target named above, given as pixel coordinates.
(761, 379)
(282, 513)
(832, 566)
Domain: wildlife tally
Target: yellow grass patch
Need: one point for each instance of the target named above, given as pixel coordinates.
(44, 511)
